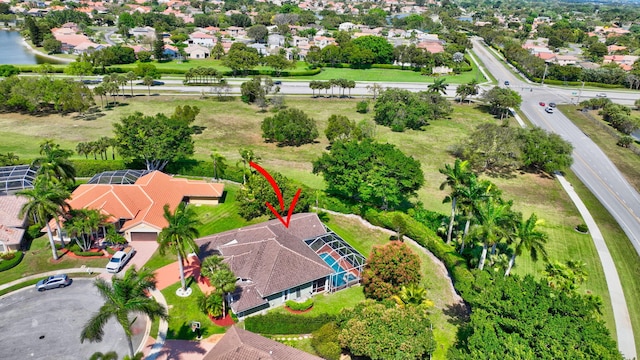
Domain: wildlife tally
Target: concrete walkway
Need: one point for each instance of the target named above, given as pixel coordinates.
(624, 330)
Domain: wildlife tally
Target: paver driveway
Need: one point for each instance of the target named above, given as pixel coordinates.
(47, 325)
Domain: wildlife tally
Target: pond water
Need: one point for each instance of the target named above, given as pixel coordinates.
(12, 50)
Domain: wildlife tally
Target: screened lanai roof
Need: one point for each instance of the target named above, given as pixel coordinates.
(346, 261)
(121, 177)
(15, 178)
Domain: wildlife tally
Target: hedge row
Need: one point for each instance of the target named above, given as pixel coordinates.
(455, 263)
(11, 263)
(88, 168)
(300, 306)
(280, 324)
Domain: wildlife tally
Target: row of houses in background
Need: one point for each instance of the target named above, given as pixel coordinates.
(539, 48)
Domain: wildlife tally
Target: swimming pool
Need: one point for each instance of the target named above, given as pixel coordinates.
(340, 277)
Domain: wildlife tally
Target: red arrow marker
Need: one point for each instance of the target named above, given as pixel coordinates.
(276, 188)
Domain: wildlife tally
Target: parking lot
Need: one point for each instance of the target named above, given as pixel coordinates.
(47, 325)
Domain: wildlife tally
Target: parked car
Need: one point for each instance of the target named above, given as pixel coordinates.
(155, 83)
(52, 282)
(601, 95)
(120, 259)
(541, 103)
(549, 110)
(552, 104)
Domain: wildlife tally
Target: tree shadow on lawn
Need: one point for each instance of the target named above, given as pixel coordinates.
(458, 313)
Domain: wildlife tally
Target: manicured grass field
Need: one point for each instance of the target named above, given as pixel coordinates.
(230, 126)
(38, 259)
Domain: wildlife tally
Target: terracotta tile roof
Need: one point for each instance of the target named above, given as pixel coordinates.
(143, 201)
(241, 344)
(10, 224)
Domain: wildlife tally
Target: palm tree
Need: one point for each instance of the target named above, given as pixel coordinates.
(224, 280)
(438, 86)
(148, 81)
(130, 76)
(247, 156)
(54, 163)
(111, 355)
(210, 265)
(124, 297)
(456, 176)
(412, 295)
(101, 91)
(470, 195)
(211, 304)
(46, 200)
(179, 236)
(492, 215)
(219, 164)
(527, 237)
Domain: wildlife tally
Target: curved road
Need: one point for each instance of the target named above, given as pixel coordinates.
(594, 169)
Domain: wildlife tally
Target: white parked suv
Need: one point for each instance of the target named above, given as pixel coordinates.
(120, 259)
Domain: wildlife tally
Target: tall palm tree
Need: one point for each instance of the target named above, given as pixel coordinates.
(527, 237)
(457, 175)
(219, 164)
(46, 200)
(130, 76)
(54, 163)
(123, 298)
(438, 86)
(470, 195)
(247, 156)
(179, 236)
(210, 265)
(224, 280)
(493, 215)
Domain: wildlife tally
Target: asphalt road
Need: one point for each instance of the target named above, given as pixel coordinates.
(596, 171)
(47, 325)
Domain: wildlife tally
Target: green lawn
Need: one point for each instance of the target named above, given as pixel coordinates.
(38, 259)
(182, 311)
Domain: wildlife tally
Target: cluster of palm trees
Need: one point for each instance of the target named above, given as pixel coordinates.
(223, 279)
(342, 84)
(99, 146)
(48, 197)
(113, 83)
(488, 218)
(203, 75)
(464, 91)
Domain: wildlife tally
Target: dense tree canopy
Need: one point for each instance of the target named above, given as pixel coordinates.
(514, 318)
(400, 109)
(369, 172)
(388, 268)
(38, 94)
(382, 332)
(257, 191)
(379, 46)
(544, 151)
(289, 127)
(155, 139)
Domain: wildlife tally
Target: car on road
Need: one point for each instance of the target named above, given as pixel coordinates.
(506, 83)
(91, 81)
(277, 82)
(549, 109)
(155, 83)
(542, 104)
(52, 282)
(120, 259)
(552, 104)
(602, 95)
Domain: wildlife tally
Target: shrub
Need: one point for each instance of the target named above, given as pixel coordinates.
(10, 263)
(88, 168)
(273, 323)
(362, 107)
(582, 228)
(300, 306)
(34, 231)
(8, 256)
(325, 341)
(110, 250)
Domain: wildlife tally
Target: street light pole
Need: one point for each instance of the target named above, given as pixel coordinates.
(580, 92)
(546, 65)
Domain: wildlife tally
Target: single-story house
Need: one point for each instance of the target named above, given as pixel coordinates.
(274, 263)
(136, 209)
(195, 51)
(238, 343)
(12, 226)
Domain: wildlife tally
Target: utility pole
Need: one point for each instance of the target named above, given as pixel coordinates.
(580, 92)
(546, 65)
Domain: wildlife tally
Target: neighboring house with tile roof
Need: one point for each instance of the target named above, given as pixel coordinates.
(242, 344)
(274, 264)
(11, 225)
(136, 209)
